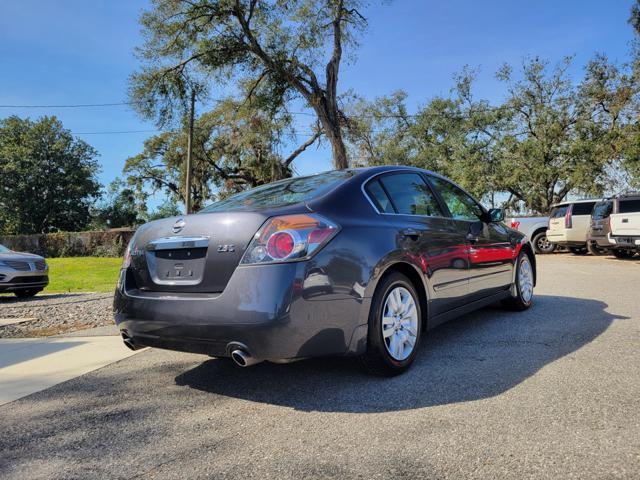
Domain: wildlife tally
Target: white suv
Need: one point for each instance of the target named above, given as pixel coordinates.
(624, 225)
(569, 224)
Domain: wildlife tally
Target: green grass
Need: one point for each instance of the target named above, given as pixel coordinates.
(83, 274)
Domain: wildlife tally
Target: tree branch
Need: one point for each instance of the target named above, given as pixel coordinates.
(302, 148)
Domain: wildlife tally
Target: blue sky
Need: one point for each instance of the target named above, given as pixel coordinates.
(77, 52)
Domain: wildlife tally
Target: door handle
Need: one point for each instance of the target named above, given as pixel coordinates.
(410, 232)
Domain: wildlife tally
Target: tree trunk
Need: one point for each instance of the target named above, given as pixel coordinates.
(332, 129)
(338, 149)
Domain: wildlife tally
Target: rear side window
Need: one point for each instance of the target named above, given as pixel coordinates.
(559, 212)
(379, 197)
(629, 206)
(283, 192)
(602, 210)
(582, 208)
(410, 195)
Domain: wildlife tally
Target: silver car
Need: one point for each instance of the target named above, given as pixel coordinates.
(23, 274)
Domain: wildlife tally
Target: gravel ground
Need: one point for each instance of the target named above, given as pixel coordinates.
(56, 313)
(552, 392)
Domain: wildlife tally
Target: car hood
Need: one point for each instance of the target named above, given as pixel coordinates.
(18, 256)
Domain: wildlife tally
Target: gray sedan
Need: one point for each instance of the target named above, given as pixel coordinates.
(24, 274)
(352, 262)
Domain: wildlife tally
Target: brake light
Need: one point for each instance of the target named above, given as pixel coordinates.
(568, 223)
(289, 238)
(515, 224)
(127, 256)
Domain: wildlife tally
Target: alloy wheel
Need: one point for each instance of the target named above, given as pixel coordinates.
(399, 323)
(525, 279)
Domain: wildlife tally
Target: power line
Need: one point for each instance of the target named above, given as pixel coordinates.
(116, 132)
(78, 105)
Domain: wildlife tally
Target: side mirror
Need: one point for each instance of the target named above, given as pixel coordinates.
(496, 215)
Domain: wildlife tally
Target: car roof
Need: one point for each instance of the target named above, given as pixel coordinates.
(571, 202)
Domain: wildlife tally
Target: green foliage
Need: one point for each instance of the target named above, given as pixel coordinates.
(455, 136)
(167, 209)
(119, 209)
(550, 137)
(279, 48)
(47, 177)
(235, 146)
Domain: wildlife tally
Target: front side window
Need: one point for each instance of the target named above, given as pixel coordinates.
(461, 205)
(410, 195)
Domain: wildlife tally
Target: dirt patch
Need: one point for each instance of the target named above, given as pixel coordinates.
(55, 313)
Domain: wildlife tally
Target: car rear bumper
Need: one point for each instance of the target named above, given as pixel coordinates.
(264, 309)
(600, 240)
(625, 241)
(566, 238)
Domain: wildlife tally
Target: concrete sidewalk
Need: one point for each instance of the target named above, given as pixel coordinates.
(28, 365)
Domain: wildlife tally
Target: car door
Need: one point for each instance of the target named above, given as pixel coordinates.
(426, 235)
(490, 251)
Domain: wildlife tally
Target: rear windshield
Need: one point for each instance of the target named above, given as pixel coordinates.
(281, 193)
(4, 249)
(629, 206)
(582, 208)
(558, 212)
(602, 210)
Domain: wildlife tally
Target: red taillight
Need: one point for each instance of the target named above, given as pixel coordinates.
(515, 224)
(289, 238)
(568, 223)
(280, 245)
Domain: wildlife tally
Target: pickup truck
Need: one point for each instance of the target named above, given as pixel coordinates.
(535, 228)
(624, 225)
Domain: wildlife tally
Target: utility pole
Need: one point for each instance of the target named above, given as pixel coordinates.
(187, 195)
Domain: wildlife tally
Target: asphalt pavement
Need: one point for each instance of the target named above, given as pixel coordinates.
(553, 392)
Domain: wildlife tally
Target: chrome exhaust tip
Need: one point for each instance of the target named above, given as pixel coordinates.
(129, 343)
(243, 359)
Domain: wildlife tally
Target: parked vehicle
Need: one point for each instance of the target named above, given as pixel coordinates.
(624, 225)
(535, 228)
(385, 252)
(598, 238)
(23, 274)
(569, 224)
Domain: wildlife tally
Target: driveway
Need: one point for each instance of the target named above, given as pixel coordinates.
(549, 393)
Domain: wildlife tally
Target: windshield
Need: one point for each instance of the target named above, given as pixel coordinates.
(4, 249)
(281, 193)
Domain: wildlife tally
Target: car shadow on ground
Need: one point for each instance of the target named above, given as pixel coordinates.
(477, 356)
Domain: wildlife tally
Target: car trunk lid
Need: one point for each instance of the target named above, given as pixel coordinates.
(194, 253)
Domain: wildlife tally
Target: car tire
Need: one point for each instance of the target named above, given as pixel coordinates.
(578, 250)
(522, 289)
(623, 254)
(541, 243)
(393, 327)
(595, 249)
(27, 293)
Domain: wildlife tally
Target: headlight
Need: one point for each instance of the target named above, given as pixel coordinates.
(289, 238)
